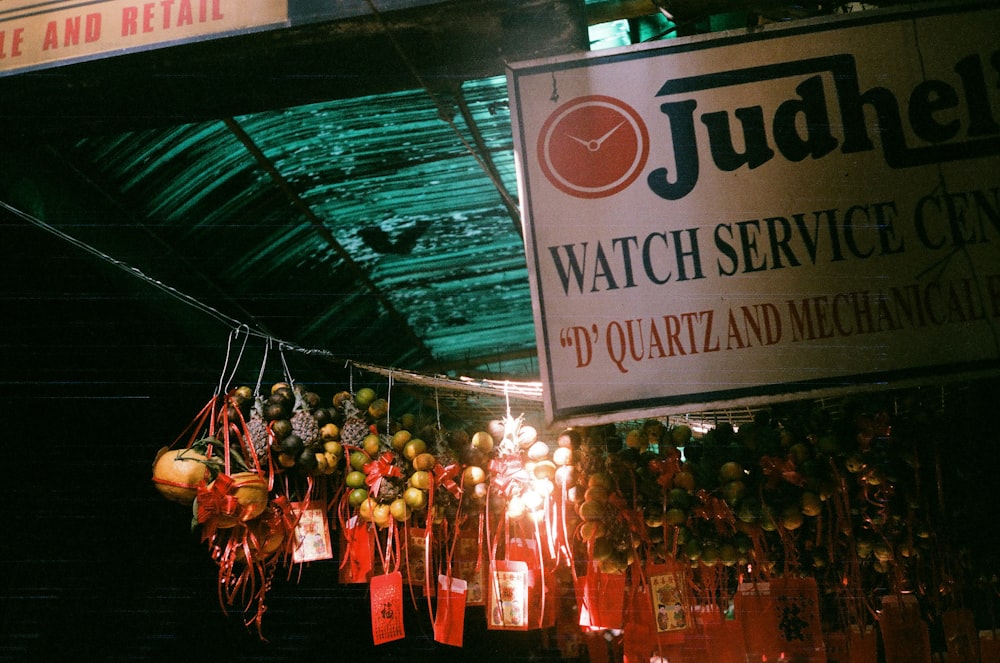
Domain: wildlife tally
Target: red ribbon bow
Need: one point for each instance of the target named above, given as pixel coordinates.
(445, 476)
(714, 509)
(505, 470)
(378, 469)
(776, 469)
(215, 500)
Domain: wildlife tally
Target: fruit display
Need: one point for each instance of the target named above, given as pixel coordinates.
(850, 499)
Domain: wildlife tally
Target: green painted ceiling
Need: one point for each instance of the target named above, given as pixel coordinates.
(370, 227)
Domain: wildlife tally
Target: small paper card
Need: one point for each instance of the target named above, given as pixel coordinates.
(667, 601)
(416, 556)
(387, 607)
(508, 596)
(312, 533)
(449, 622)
(466, 565)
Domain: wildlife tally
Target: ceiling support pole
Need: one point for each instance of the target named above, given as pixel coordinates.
(487, 159)
(324, 232)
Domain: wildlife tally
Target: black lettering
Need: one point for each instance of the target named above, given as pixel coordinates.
(812, 106)
(756, 151)
(682, 137)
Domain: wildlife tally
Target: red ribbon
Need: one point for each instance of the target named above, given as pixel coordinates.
(665, 470)
(776, 469)
(445, 476)
(505, 470)
(714, 509)
(377, 470)
(215, 500)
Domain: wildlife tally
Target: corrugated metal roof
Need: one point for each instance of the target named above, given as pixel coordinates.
(396, 180)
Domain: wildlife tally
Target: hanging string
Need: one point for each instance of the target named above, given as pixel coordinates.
(506, 396)
(223, 382)
(526, 390)
(388, 404)
(263, 365)
(437, 409)
(133, 271)
(284, 363)
(239, 357)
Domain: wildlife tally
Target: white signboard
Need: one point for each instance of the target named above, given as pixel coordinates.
(743, 217)
(35, 34)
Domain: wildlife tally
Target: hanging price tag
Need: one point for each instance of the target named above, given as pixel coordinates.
(387, 607)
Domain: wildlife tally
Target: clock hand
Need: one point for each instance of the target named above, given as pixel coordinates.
(600, 141)
(594, 145)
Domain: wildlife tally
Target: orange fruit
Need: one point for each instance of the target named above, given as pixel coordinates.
(382, 515)
(483, 441)
(400, 438)
(399, 509)
(473, 475)
(424, 461)
(359, 459)
(562, 456)
(415, 498)
(371, 444)
(414, 448)
(420, 479)
(357, 497)
(355, 479)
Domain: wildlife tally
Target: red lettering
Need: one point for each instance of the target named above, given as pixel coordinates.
(93, 28)
(51, 39)
(160, 15)
(15, 47)
(673, 335)
(184, 14)
(130, 21)
(167, 7)
(71, 34)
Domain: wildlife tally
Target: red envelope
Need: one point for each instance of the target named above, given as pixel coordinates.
(357, 549)
(449, 621)
(387, 607)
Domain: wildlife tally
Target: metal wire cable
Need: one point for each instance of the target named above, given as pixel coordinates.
(530, 391)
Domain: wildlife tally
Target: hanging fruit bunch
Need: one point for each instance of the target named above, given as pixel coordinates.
(298, 435)
(219, 474)
(520, 472)
(609, 503)
(387, 461)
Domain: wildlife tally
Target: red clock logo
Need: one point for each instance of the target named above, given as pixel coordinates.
(593, 146)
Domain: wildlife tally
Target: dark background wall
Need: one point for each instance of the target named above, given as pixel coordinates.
(94, 564)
